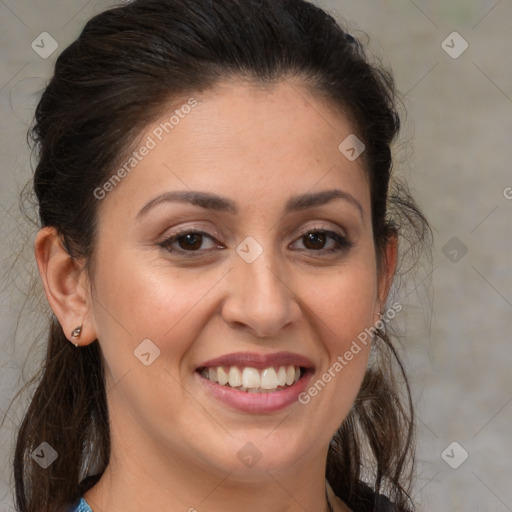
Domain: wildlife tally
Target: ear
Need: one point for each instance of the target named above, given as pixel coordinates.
(385, 278)
(66, 285)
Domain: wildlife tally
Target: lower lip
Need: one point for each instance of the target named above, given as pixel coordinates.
(257, 402)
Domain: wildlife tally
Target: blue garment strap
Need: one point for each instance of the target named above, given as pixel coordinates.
(82, 506)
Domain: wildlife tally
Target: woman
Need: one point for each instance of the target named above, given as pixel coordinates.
(219, 236)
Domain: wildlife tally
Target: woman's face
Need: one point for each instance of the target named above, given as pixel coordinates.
(251, 297)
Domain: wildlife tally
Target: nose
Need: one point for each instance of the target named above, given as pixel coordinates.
(260, 298)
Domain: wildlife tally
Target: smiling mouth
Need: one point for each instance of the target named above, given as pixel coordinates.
(252, 380)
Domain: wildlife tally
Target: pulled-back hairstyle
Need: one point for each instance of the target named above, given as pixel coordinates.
(126, 66)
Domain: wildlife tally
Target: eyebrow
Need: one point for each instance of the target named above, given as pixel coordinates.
(215, 202)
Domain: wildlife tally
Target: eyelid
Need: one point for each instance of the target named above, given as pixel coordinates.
(213, 233)
(323, 227)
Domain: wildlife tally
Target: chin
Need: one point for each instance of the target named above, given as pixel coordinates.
(250, 456)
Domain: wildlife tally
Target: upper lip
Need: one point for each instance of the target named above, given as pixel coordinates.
(259, 361)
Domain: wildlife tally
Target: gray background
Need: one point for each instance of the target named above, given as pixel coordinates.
(455, 149)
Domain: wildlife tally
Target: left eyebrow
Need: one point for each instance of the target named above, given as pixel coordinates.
(215, 202)
(304, 201)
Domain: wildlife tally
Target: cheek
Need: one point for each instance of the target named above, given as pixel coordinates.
(138, 300)
(343, 301)
(342, 307)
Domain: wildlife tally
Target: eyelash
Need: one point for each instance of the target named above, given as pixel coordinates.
(343, 243)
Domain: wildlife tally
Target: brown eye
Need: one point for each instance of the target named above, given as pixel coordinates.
(316, 239)
(190, 241)
(187, 242)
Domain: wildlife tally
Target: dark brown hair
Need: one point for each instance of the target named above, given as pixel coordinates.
(108, 85)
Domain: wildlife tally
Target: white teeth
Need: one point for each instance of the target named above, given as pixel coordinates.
(290, 375)
(269, 378)
(212, 374)
(251, 379)
(222, 376)
(281, 376)
(235, 377)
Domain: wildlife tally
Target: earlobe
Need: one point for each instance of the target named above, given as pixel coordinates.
(388, 271)
(66, 286)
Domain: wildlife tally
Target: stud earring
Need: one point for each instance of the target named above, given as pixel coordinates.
(75, 334)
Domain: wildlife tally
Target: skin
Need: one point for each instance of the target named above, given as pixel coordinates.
(174, 446)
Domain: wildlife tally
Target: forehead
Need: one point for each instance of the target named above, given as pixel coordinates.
(252, 140)
(283, 117)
